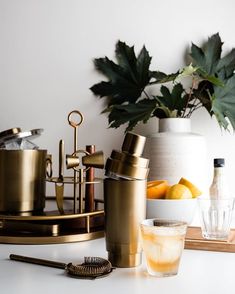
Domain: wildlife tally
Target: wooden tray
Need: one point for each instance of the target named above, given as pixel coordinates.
(195, 241)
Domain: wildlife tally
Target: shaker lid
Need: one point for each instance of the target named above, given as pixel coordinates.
(133, 144)
(128, 163)
(219, 162)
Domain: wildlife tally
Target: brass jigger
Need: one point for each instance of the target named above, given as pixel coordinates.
(95, 160)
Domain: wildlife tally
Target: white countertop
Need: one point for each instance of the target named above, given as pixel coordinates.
(201, 272)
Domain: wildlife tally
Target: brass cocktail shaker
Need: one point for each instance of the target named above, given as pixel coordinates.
(125, 201)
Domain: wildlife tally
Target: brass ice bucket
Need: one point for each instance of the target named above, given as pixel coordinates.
(22, 180)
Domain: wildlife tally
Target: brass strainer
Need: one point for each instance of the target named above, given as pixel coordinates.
(91, 268)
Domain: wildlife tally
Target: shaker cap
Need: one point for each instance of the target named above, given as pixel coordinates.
(219, 162)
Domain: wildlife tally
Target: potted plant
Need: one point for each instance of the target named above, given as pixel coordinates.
(208, 81)
(128, 100)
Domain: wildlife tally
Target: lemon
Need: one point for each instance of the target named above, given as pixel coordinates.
(178, 191)
(194, 190)
(156, 189)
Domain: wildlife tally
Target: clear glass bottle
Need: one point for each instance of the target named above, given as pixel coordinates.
(219, 187)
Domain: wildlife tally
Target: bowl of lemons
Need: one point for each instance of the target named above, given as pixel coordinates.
(176, 202)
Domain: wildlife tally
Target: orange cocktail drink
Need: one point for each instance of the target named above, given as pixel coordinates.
(163, 243)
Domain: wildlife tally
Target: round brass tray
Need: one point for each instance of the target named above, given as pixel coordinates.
(48, 215)
(51, 227)
(41, 240)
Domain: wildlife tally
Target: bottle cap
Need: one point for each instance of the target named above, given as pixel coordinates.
(219, 162)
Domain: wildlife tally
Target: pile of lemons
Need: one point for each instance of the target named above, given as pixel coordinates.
(160, 189)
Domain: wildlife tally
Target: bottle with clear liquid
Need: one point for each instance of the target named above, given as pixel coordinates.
(219, 188)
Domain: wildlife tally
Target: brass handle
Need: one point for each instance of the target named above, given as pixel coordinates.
(72, 122)
(38, 261)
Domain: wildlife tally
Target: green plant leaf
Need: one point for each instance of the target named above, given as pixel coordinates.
(174, 100)
(202, 93)
(227, 63)
(160, 77)
(211, 78)
(131, 113)
(127, 79)
(207, 58)
(223, 103)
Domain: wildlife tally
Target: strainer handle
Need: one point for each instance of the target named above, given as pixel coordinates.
(39, 261)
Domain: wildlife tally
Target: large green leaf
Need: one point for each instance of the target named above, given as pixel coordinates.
(207, 58)
(173, 100)
(223, 103)
(131, 113)
(227, 63)
(127, 78)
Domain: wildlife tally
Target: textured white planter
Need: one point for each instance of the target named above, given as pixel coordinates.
(175, 152)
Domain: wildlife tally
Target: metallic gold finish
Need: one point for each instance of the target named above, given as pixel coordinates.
(59, 186)
(133, 144)
(62, 238)
(72, 122)
(75, 125)
(90, 188)
(125, 208)
(59, 192)
(125, 170)
(81, 190)
(72, 161)
(14, 135)
(61, 160)
(22, 180)
(49, 216)
(10, 132)
(91, 268)
(130, 159)
(128, 164)
(51, 228)
(9, 226)
(79, 180)
(95, 160)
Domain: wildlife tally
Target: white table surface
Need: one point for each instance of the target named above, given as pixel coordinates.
(201, 272)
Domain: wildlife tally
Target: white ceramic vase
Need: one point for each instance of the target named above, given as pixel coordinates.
(175, 152)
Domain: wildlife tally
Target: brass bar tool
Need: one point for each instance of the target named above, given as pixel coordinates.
(59, 186)
(93, 267)
(75, 125)
(90, 189)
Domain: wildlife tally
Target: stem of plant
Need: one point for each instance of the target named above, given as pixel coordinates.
(194, 107)
(147, 95)
(189, 97)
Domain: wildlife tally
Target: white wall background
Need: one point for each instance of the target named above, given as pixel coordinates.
(46, 69)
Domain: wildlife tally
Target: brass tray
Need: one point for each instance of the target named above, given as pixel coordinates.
(195, 241)
(51, 227)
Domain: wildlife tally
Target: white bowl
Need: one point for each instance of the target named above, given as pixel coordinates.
(179, 209)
